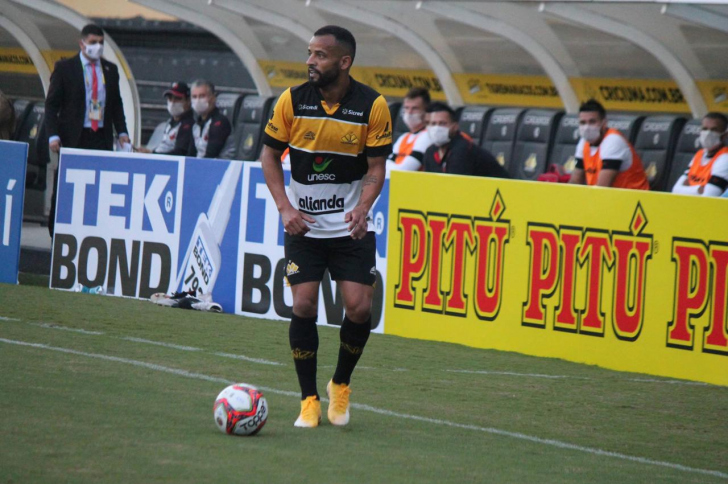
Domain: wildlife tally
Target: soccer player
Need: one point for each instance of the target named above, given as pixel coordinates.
(603, 156)
(339, 135)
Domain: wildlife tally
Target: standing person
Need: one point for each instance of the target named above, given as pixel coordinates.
(339, 134)
(409, 149)
(84, 105)
(707, 174)
(454, 152)
(211, 128)
(178, 130)
(7, 118)
(604, 157)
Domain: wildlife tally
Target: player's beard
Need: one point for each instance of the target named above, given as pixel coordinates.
(324, 78)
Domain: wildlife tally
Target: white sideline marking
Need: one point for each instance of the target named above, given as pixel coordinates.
(159, 343)
(248, 358)
(557, 377)
(512, 373)
(381, 411)
(275, 363)
(64, 328)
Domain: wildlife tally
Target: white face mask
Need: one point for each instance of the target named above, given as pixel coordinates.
(200, 105)
(440, 135)
(709, 139)
(413, 120)
(93, 51)
(175, 108)
(590, 132)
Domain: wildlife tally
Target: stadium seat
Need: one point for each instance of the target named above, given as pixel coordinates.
(151, 118)
(473, 120)
(248, 132)
(229, 104)
(627, 124)
(565, 141)
(156, 136)
(399, 128)
(655, 144)
(35, 179)
(22, 109)
(152, 94)
(534, 139)
(688, 143)
(500, 134)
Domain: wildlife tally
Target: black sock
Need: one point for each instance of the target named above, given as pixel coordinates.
(353, 337)
(303, 336)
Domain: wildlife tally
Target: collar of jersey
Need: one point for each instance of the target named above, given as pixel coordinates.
(336, 106)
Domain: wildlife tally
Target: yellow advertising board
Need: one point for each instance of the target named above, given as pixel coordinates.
(632, 94)
(15, 59)
(715, 94)
(628, 280)
(501, 90)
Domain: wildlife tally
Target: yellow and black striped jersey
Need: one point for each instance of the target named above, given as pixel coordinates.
(329, 148)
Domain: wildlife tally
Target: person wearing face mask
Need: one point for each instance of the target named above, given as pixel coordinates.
(211, 128)
(409, 149)
(454, 152)
(178, 130)
(707, 174)
(604, 157)
(83, 107)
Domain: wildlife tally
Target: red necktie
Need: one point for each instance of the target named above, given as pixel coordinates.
(94, 93)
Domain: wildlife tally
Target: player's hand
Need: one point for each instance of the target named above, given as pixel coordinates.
(124, 139)
(142, 149)
(358, 222)
(55, 146)
(294, 222)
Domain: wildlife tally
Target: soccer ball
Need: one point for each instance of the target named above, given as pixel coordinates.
(240, 409)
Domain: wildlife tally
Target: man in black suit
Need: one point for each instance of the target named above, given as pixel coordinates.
(84, 104)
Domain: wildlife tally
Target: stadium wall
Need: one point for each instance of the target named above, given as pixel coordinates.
(628, 280)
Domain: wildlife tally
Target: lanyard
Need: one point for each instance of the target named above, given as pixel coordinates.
(87, 77)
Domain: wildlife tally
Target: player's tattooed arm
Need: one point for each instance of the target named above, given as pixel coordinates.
(369, 180)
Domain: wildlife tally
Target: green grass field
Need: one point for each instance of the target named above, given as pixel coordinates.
(99, 389)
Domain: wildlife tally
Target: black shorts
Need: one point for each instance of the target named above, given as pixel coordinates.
(346, 259)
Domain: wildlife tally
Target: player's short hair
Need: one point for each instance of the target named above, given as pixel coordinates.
(437, 107)
(720, 117)
(421, 92)
(343, 37)
(91, 29)
(205, 82)
(593, 106)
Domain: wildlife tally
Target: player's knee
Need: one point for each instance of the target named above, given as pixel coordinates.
(359, 312)
(305, 307)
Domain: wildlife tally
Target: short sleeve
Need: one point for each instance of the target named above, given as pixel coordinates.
(579, 153)
(720, 167)
(379, 134)
(614, 147)
(278, 129)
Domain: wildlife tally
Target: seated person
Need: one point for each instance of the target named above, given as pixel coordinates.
(178, 130)
(603, 156)
(409, 149)
(707, 174)
(454, 152)
(211, 128)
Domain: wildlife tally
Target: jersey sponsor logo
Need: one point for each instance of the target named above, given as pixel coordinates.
(291, 268)
(350, 138)
(321, 206)
(272, 127)
(387, 133)
(307, 107)
(309, 135)
(351, 112)
(319, 164)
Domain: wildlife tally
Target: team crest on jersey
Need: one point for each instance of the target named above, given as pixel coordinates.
(291, 268)
(309, 135)
(349, 139)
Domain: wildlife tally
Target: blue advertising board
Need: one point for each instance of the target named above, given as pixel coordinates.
(13, 158)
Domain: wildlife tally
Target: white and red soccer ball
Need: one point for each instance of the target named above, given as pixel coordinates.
(240, 409)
